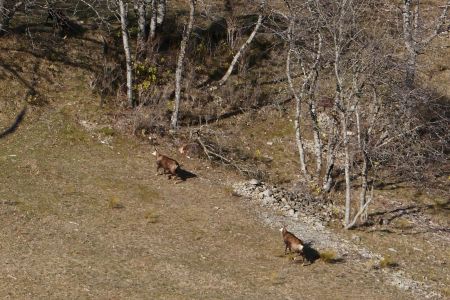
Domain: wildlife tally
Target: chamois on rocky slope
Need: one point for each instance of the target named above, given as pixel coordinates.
(293, 243)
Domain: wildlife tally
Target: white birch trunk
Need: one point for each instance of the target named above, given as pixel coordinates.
(243, 47)
(126, 47)
(161, 12)
(316, 135)
(297, 122)
(180, 65)
(415, 43)
(142, 27)
(348, 195)
(154, 14)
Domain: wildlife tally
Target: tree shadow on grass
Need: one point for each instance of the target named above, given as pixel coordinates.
(14, 125)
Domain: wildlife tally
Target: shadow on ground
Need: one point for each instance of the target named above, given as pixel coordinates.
(185, 174)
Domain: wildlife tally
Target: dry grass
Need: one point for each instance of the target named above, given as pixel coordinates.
(388, 262)
(328, 256)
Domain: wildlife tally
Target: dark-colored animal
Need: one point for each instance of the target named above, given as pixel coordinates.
(169, 165)
(293, 243)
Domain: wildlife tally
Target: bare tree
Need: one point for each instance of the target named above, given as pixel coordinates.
(158, 15)
(153, 18)
(307, 92)
(244, 45)
(141, 8)
(161, 12)
(123, 10)
(180, 64)
(414, 36)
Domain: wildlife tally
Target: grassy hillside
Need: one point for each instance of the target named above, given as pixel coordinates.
(84, 215)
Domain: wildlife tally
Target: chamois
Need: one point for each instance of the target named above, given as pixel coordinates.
(291, 242)
(167, 164)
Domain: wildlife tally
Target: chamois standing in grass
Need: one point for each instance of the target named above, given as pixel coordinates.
(169, 165)
(293, 243)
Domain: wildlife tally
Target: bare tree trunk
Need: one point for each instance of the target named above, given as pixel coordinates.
(364, 171)
(297, 122)
(348, 187)
(154, 14)
(126, 47)
(142, 28)
(243, 47)
(180, 65)
(364, 185)
(413, 37)
(409, 43)
(363, 145)
(2, 16)
(161, 12)
(316, 135)
(298, 135)
(331, 155)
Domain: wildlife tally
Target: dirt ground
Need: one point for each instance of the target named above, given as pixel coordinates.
(89, 219)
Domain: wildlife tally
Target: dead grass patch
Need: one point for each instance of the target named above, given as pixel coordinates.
(328, 256)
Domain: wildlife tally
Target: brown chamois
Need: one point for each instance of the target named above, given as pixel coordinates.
(291, 242)
(190, 150)
(168, 164)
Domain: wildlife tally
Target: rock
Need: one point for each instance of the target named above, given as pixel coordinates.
(254, 182)
(356, 239)
(267, 193)
(271, 199)
(291, 212)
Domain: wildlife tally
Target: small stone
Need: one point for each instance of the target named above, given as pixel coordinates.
(255, 182)
(271, 199)
(267, 193)
(291, 212)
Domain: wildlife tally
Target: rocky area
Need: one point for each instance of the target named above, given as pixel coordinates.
(298, 203)
(307, 217)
